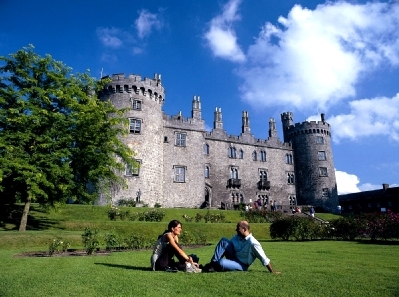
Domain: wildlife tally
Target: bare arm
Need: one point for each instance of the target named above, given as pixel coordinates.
(173, 243)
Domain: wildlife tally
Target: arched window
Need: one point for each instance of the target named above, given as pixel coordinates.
(206, 149)
(232, 152)
(207, 171)
(234, 173)
(290, 178)
(263, 156)
(241, 154)
(254, 156)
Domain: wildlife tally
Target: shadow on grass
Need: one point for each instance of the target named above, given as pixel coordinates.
(10, 218)
(125, 266)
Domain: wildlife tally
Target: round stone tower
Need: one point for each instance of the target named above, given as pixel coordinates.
(143, 97)
(313, 159)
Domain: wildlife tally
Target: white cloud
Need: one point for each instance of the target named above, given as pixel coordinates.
(368, 117)
(346, 183)
(109, 37)
(349, 183)
(369, 187)
(146, 22)
(314, 58)
(221, 37)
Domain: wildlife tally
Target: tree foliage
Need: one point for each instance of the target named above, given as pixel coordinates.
(57, 139)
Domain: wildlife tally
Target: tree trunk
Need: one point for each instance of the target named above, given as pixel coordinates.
(24, 219)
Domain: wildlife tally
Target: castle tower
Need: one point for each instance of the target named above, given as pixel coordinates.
(245, 123)
(313, 159)
(196, 111)
(287, 119)
(143, 97)
(218, 123)
(272, 128)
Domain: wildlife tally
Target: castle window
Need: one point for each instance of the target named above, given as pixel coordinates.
(206, 172)
(165, 139)
(288, 158)
(262, 175)
(325, 192)
(135, 126)
(321, 155)
(234, 172)
(254, 156)
(180, 139)
(292, 200)
(232, 152)
(118, 88)
(130, 171)
(180, 174)
(323, 171)
(241, 154)
(126, 88)
(263, 156)
(206, 149)
(290, 178)
(136, 104)
(319, 139)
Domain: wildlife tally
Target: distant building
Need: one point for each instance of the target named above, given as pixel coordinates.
(183, 165)
(379, 200)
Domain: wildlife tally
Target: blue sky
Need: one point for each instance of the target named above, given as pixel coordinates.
(265, 57)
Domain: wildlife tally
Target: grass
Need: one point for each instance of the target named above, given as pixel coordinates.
(312, 268)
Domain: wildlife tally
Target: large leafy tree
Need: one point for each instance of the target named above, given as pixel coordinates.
(57, 139)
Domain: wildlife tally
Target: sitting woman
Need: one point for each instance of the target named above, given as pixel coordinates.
(166, 247)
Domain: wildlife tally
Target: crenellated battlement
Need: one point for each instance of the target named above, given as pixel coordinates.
(311, 127)
(135, 84)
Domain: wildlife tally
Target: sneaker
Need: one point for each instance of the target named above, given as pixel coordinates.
(208, 268)
(193, 269)
(171, 269)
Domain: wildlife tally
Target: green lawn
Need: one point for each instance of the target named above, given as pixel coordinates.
(318, 268)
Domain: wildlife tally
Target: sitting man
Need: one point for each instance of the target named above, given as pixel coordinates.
(238, 253)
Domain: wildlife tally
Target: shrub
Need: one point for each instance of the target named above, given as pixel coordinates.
(127, 202)
(157, 205)
(133, 216)
(124, 215)
(90, 240)
(111, 241)
(260, 216)
(189, 238)
(198, 217)
(187, 218)
(347, 228)
(58, 245)
(214, 218)
(113, 213)
(296, 228)
(137, 241)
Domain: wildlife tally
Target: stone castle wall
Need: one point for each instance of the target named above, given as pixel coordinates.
(159, 155)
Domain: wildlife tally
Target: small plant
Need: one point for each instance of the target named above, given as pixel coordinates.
(157, 205)
(58, 245)
(187, 218)
(111, 241)
(113, 213)
(127, 202)
(137, 241)
(198, 217)
(90, 240)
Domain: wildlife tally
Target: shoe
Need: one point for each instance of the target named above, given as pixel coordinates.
(208, 268)
(193, 269)
(171, 269)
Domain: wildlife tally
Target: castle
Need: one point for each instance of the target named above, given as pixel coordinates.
(183, 165)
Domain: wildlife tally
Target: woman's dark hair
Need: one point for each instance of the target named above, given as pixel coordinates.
(173, 224)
